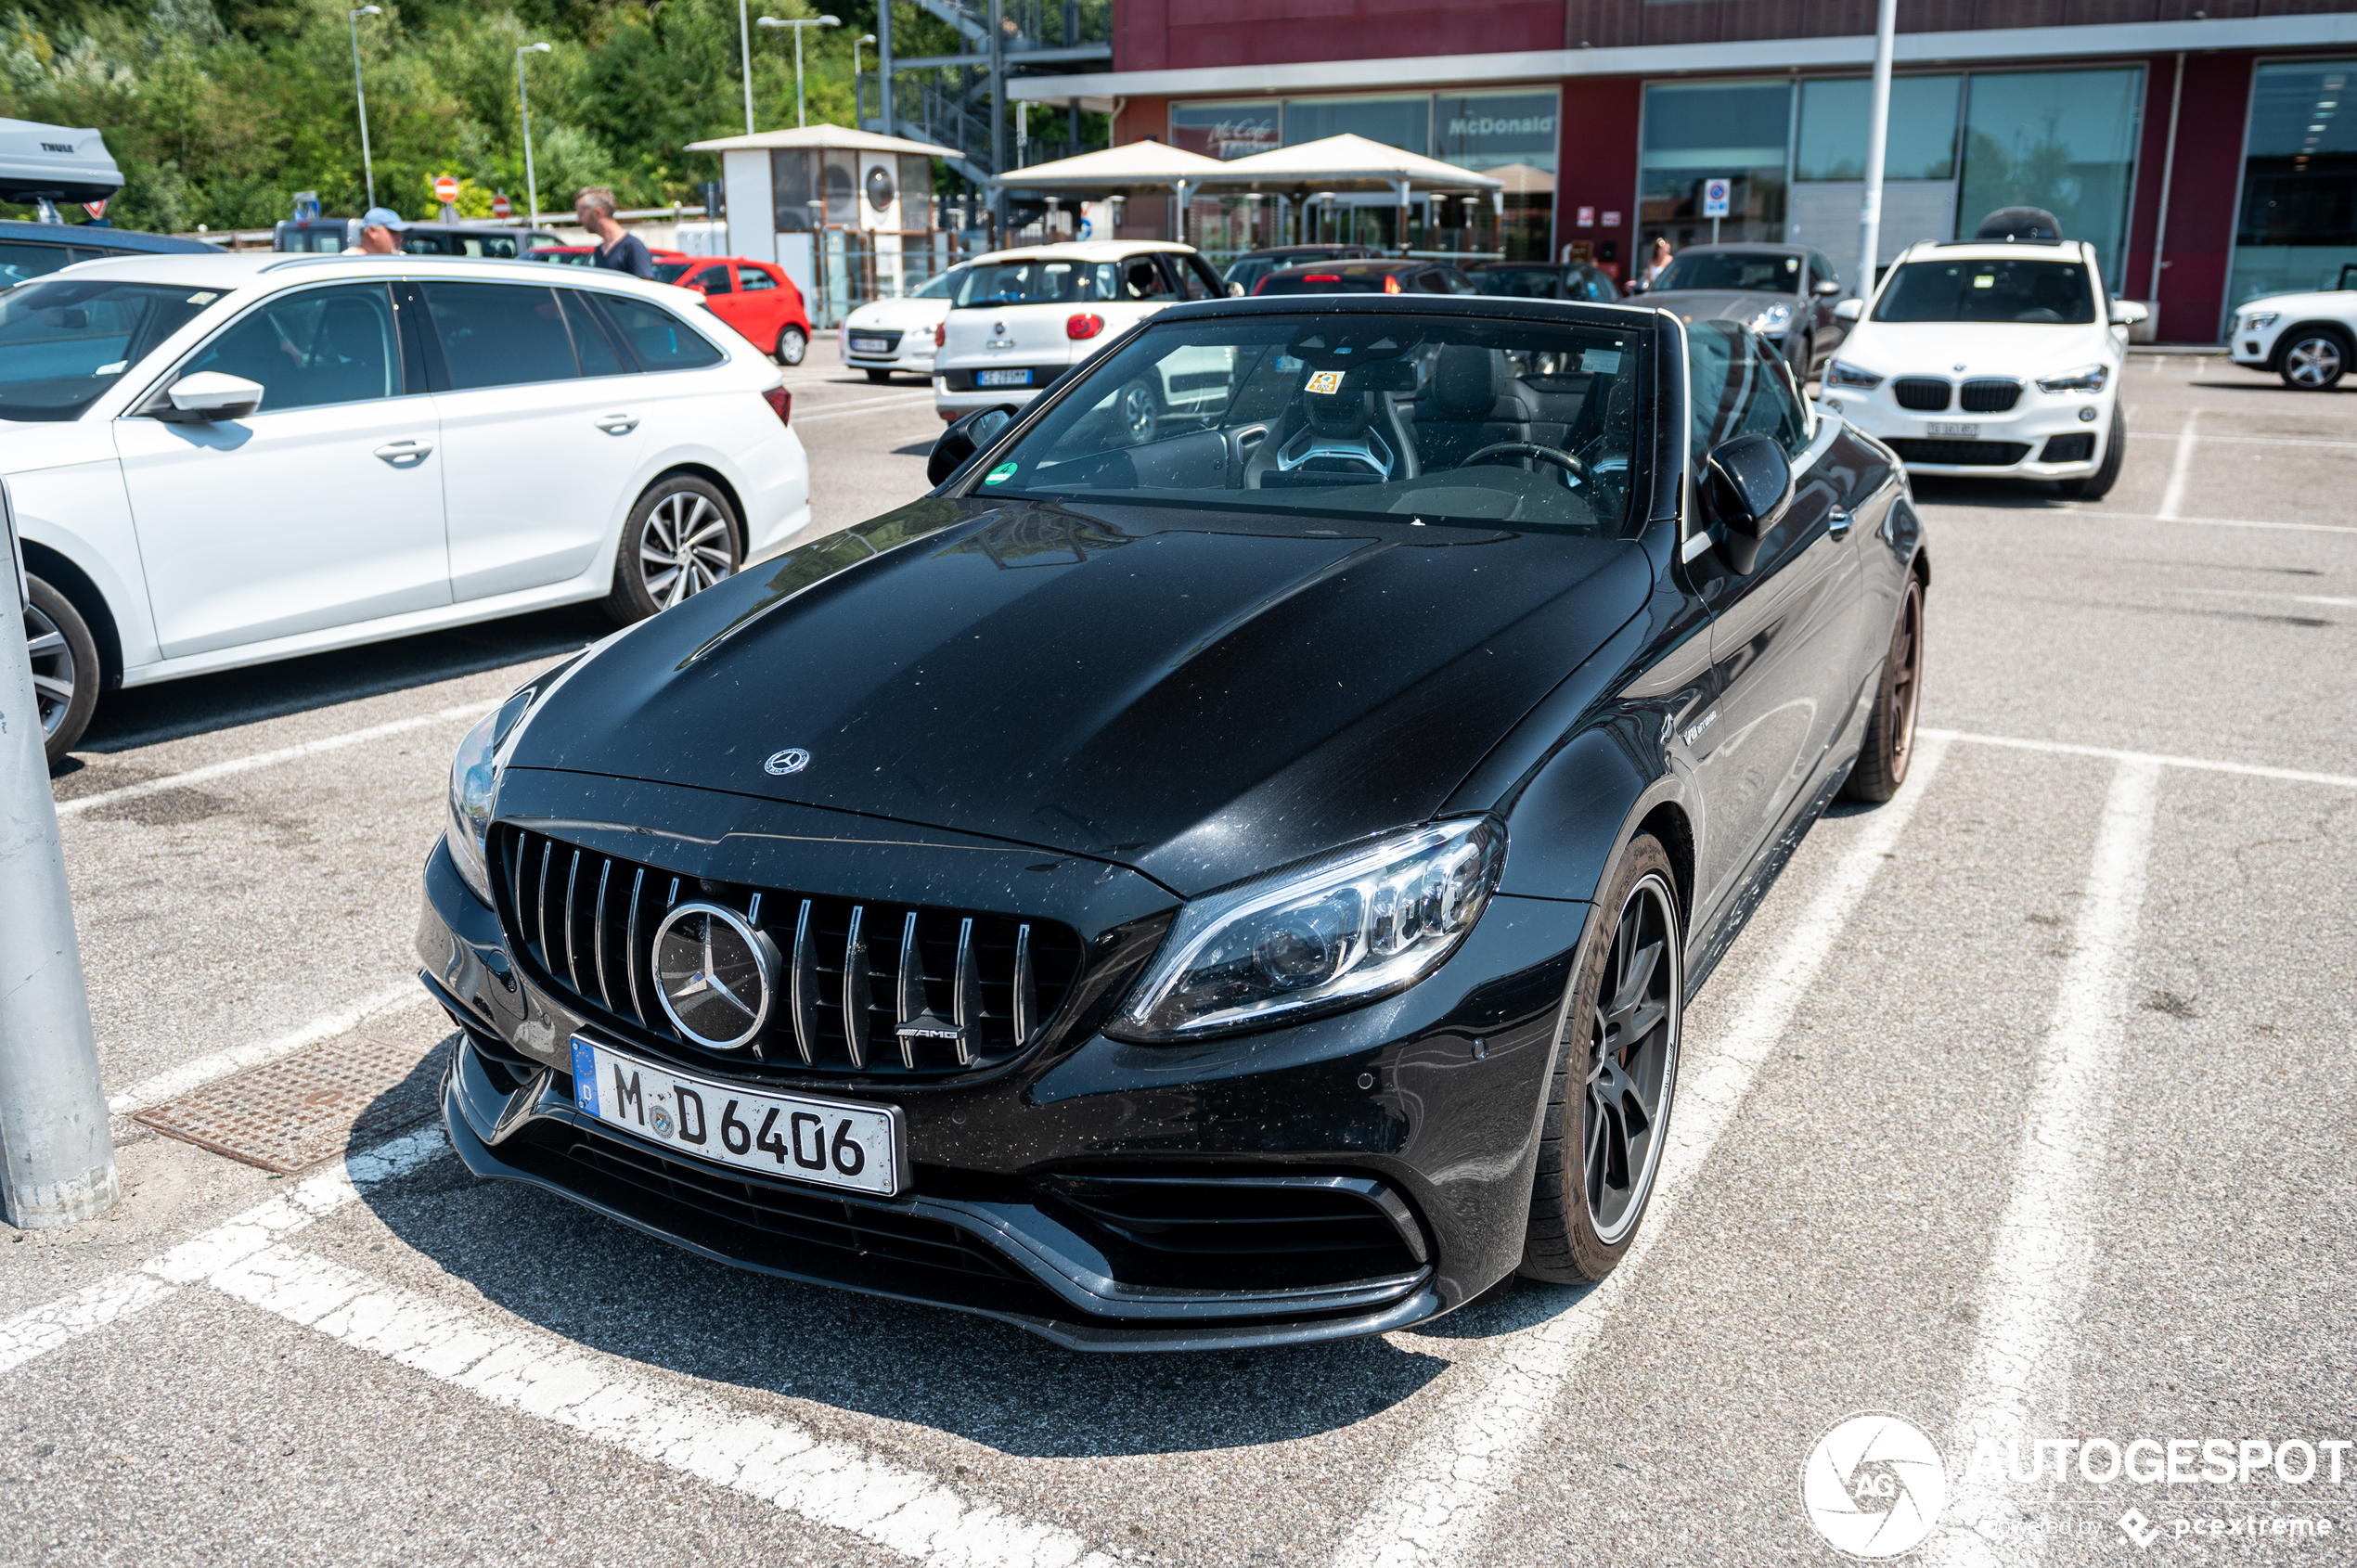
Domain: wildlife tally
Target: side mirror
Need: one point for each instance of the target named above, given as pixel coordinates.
(1849, 310)
(2128, 312)
(961, 441)
(209, 395)
(1750, 489)
(1827, 286)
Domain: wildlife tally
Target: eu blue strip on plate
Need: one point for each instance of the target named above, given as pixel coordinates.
(585, 1076)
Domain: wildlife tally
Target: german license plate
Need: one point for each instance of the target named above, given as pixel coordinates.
(1003, 379)
(828, 1142)
(869, 345)
(1954, 432)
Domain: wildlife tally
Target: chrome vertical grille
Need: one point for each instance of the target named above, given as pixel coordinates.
(874, 988)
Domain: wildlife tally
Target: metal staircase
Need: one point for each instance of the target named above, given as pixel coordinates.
(959, 101)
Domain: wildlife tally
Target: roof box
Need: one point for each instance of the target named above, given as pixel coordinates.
(2019, 223)
(49, 163)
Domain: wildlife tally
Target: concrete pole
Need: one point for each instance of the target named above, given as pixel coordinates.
(57, 1154)
(883, 65)
(744, 60)
(1877, 138)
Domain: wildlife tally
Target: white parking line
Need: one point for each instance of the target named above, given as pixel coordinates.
(1431, 1509)
(82, 803)
(2045, 1239)
(654, 1417)
(2251, 439)
(2261, 593)
(46, 1328)
(2199, 765)
(175, 1081)
(2172, 499)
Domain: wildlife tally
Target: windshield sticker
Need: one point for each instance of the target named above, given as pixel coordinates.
(1001, 474)
(1986, 280)
(1323, 382)
(116, 369)
(1601, 362)
(203, 297)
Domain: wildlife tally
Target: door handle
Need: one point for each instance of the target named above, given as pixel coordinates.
(619, 424)
(399, 452)
(1837, 523)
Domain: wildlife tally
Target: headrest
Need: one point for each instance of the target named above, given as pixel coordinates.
(1466, 381)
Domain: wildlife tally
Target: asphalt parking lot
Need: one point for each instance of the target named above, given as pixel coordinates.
(2021, 1110)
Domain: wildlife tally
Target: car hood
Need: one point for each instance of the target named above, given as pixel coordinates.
(897, 315)
(1715, 304)
(2339, 303)
(1975, 348)
(29, 445)
(1199, 696)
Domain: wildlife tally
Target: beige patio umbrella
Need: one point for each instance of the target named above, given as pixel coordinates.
(1349, 163)
(1118, 171)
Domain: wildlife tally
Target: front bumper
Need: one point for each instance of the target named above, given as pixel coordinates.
(910, 354)
(1429, 1168)
(2044, 436)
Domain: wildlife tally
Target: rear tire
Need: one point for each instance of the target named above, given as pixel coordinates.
(1891, 733)
(1616, 1067)
(65, 666)
(682, 538)
(880, 377)
(2315, 360)
(793, 345)
(2097, 485)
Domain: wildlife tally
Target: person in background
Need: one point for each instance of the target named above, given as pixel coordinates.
(381, 231)
(617, 249)
(1659, 263)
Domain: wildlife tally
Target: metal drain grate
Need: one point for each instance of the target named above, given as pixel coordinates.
(288, 1115)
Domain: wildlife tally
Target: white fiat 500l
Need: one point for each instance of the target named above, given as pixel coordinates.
(222, 460)
(894, 337)
(1020, 320)
(2310, 340)
(1998, 360)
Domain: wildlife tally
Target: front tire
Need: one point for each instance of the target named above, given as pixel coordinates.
(1617, 1069)
(65, 666)
(682, 538)
(2315, 360)
(878, 376)
(1891, 733)
(793, 345)
(2097, 485)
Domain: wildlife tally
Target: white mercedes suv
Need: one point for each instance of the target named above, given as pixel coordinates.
(1020, 320)
(1991, 358)
(223, 460)
(2309, 339)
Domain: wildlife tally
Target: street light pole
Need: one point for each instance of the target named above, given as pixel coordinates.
(858, 104)
(798, 24)
(368, 164)
(744, 62)
(524, 100)
(1877, 139)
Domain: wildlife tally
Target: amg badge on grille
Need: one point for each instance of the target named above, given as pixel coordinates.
(793, 759)
(715, 975)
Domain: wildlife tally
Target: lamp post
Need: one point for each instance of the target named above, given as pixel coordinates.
(523, 101)
(798, 23)
(859, 103)
(744, 62)
(368, 164)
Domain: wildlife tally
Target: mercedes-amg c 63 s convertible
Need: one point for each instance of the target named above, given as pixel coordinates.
(1226, 867)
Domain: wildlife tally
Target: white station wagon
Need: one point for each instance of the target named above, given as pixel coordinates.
(1020, 320)
(221, 460)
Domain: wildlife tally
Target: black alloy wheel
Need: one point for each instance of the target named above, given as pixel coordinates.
(682, 538)
(1891, 733)
(793, 343)
(2315, 360)
(1617, 1070)
(65, 666)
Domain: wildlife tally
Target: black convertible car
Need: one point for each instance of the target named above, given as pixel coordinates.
(1226, 877)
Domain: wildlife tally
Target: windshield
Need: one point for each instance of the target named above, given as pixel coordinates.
(1454, 421)
(1340, 280)
(64, 342)
(1998, 289)
(1524, 283)
(668, 271)
(1057, 281)
(936, 290)
(1749, 272)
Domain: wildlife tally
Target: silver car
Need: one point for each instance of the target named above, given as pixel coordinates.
(1783, 292)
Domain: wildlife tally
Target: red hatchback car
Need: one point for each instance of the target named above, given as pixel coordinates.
(755, 297)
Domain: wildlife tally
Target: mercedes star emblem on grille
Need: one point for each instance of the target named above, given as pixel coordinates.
(793, 759)
(715, 975)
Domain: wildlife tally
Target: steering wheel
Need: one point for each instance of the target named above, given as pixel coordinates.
(1556, 455)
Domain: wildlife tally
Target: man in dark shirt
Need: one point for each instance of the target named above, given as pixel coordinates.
(617, 249)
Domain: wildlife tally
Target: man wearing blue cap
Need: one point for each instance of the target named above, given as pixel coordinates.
(381, 231)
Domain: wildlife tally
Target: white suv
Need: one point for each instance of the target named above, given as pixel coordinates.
(2307, 338)
(222, 460)
(1991, 358)
(1020, 320)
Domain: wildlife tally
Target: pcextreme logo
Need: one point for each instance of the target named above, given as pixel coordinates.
(1873, 1486)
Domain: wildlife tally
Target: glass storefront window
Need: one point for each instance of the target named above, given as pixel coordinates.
(1512, 136)
(1227, 129)
(2297, 226)
(1394, 122)
(1921, 142)
(1694, 131)
(2063, 140)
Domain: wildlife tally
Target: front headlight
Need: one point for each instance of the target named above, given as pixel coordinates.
(1772, 319)
(1357, 925)
(1840, 375)
(2086, 378)
(2258, 321)
(474, 775)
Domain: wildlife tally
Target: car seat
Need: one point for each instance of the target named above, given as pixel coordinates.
(1471, 402)
(1341, 437)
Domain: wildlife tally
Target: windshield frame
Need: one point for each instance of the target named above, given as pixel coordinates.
(1656, 480)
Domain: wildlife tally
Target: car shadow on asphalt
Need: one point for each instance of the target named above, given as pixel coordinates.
(613, 1290)
(2007, 494)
